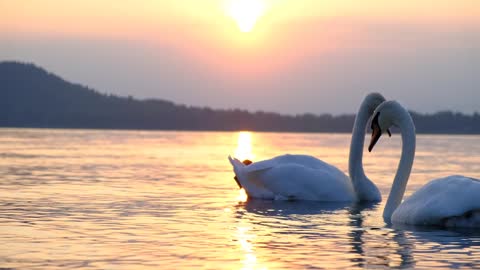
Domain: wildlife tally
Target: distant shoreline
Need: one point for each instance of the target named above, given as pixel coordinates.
(219, 131)
(31, 97)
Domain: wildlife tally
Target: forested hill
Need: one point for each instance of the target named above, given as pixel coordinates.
(33, 97)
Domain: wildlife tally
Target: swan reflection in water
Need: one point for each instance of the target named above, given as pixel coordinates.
(270, 227)
(283, 234)
(378, 245)
(447, 243)
(354, 233)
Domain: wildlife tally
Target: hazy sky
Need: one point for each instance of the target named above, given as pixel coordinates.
(289, 56)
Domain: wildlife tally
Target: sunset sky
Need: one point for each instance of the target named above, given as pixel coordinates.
(288, 56)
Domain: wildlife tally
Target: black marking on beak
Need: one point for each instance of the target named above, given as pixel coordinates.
(389, 133)
(376, 132)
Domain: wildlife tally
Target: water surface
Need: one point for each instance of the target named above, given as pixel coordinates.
(150, 200)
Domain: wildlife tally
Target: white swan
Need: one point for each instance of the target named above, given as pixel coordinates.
(302, 177)
(453, 201)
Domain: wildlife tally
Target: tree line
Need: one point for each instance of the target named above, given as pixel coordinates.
(32, 97)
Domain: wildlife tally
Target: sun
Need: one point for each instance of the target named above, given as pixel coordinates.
(245, 13)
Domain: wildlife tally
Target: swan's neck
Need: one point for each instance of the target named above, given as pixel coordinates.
(404, 167)
(363, 187)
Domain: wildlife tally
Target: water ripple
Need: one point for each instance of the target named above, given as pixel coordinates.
(132, 199)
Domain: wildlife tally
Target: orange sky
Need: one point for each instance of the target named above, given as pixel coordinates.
(207, 24)
(209, 19)
(286, 37)
(96, 17)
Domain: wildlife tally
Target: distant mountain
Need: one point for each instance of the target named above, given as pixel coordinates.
(33, 97)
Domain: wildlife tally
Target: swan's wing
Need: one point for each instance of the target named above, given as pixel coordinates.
(438, 200)
(294, 177)
(297, 182)
(254, 189)
(235, 162)
(303, 160)
(256, 166)
(237, 165)
(261, 165)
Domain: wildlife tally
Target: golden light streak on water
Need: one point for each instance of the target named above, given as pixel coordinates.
(74, 198)
(245, 239)
(244, 148)
(242, 152)
(242, 195)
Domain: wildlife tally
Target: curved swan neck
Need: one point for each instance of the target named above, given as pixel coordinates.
(407, 128)
(364, 188)
(355, 160)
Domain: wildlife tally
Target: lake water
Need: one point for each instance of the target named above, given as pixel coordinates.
(164, 200)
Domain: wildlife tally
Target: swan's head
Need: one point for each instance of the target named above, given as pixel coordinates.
(372, 101)
(246, 162)
(388, 114)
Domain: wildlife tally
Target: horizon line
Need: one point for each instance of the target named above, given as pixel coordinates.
(130, 96)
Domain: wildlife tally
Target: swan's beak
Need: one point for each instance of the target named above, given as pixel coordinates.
(389, 133)
(376, 134)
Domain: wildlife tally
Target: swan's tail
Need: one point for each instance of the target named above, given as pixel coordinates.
(237, 164)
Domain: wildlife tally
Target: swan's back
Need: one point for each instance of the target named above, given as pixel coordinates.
(297, 182)
(303, 160)
(452, 201)
(294, 177)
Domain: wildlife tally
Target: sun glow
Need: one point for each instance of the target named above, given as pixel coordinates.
(245, 13)
(244, 146)
(243, 152)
